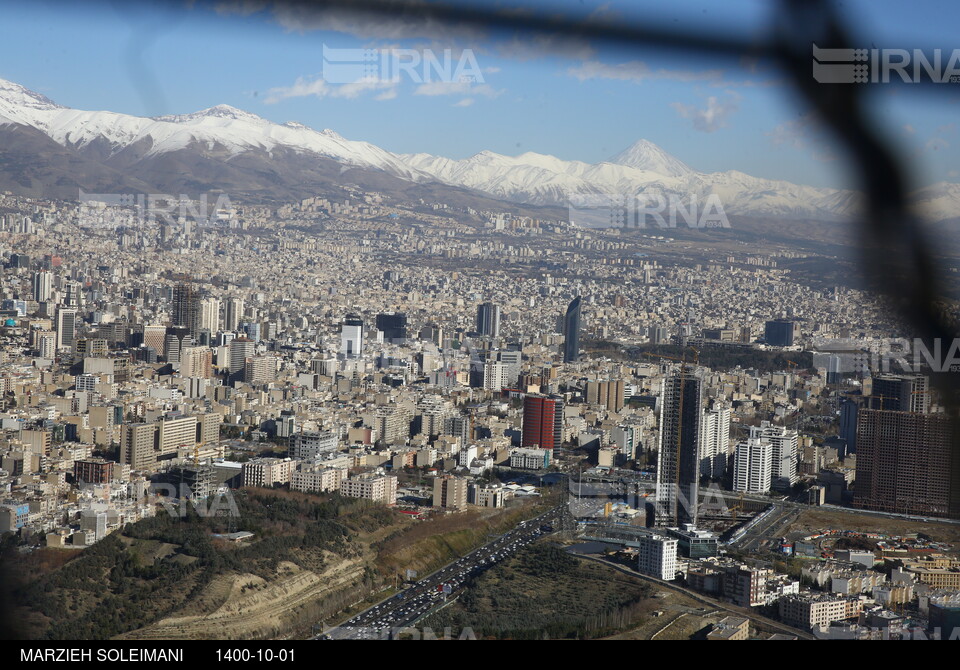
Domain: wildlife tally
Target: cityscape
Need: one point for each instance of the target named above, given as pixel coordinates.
(261, 383)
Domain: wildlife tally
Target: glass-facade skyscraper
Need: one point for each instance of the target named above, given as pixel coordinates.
(571, 332)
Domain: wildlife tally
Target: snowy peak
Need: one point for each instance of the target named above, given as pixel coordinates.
(220, 131)
(14, 95)
(645, 155)
(218, 112)
(641, 170)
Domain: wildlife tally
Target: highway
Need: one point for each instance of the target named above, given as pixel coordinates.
(382, 620)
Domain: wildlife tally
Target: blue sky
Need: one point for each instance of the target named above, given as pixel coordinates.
(575, 100)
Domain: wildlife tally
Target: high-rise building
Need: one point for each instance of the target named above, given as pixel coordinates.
(196, 362)
(185, 305)
(89, 347)
(66, 327)
(901, 393)
(19, 261)
(752, 465)
(432, 333)
(494, 375)
(371, 486)
(513, 364)
(781, 332)
(209, 315)
(678, 464)
(542, 422)
(657, 556)
(307, 446)
(714, 442)
(608, 394)
(488, 319)
(904, 463)
(233, 314)
(848, 425)
(252, 331)
(138, 445)
(351, 337)
(260, 370)
(393, 325)
(784, 455)
(47, 344)
(450, 491)
(571, 332)
(42, 286)
(241, 349)
(154, 337)
(72, 293)
(177, 339)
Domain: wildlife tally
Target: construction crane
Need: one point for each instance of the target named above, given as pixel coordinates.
(891, 397)
(736, 507)
(683, 359)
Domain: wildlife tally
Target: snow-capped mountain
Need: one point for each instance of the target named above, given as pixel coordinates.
(642, 170)
(645, 155)
(48, 149)
(225, 130)
(937, 202)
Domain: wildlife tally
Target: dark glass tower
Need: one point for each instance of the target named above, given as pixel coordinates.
(393, 325)
(678, 471)
(488, 319)
(571, 332)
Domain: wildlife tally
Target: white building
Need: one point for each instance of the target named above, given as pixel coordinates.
(467, 454)
(657, 556)
(714, 442)
(494, 375)
(209, 315)
(784, 457)
(266, 472)
(530, 458)
(351, 337)
(371, 486)
(316, 478)
(307, 446)
(751, 467)
(487, 496)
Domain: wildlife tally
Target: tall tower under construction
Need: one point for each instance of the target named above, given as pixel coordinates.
(678, 471)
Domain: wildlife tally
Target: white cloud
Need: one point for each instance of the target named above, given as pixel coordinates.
(432, 88)
(637, 71)
(711, 117)
(318, 88)
(466, 102)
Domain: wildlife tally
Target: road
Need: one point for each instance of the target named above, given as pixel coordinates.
(770, 527)
(701, 598)
(384, 619)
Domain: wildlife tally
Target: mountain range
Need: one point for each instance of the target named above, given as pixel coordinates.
(54, 151)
